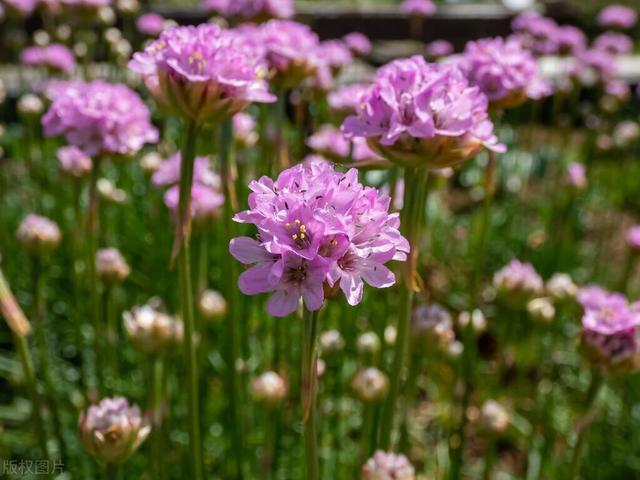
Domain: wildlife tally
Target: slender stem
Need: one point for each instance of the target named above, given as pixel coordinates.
(595, 386)
(186, 297)
(91, 232)
(111, 471)
(309, 376)
(489, 459)
(157, 404)
(227, 168)
(20, 326)
(43, 352)
(111, 337)
(412, 217)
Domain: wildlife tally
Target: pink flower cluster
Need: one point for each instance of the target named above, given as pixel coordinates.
(503, 70)
(151, 24)
(543, 36)
(346, 98)
(358, 43)
(617, 16)
(421, 113)
(202, 73)
(316, 226)
(252, 9)
(439, 48)
(206, 198)
(608, 326)
(100, 118)
(423, 8)
(55, 56)
(518, 282)
(614, 43)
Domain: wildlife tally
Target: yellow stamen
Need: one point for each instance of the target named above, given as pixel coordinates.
(294, 236)
(303, 229)
(302, 236)
(297, 222)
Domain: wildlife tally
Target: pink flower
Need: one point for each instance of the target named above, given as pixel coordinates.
(607, 313)
(571, 40)
(358, 43)
(345, 99)
(388, 466)
(420, 113)
(331, 143)
(151, 24)
(316, 226)
(614, 43)
(439, 48)
(423, 8)
(537, 33)
(617, 16)
(633, 238)
(503, 70)
(252, 10)
(55, 56)
(202, 73)
(577, 175)
(100, 118)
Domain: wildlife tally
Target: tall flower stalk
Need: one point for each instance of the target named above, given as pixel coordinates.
(419, 116)
(309, 377)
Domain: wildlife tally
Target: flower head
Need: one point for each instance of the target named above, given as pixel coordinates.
(112, 430)
(151, 24)
(537, 33)
(345, 99)
(252, 10)
(518, 282)
(370, 385)
(571, 40)
(316, 226)
(439, 48)
(54, 56)
(614, 43)
(503, 70)
(100, 118)
(244, 130)
(111, 266)
(423, 8)
(577, 175)
(358, 43)
(417, 113)
(617, 16)
(388, 466)
(431, 323)
(38, 235)
(202, 73)
(290, 50)
(332, 144)
(633, 238)
(152, 330)
(269, 389)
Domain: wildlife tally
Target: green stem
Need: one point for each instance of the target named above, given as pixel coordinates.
(111, 338)
(92, 244)
(43, 353)
(595, 386)
(188, 154)
(412, 216)
(157, 404)
(227, 163)
(309, 376)
(489, 459)
(111, 471)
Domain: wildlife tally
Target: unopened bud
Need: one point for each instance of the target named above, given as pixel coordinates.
(30, 106)
(38, 235)
(370, 385)
(150, 162)
(151, 330)
(112, 430)
(388, 466)
(368, 343)
(494, 418)
(212, 305)
(331, 342)
(561, 287)
(111, 266)
(269, 389)
(541, 309)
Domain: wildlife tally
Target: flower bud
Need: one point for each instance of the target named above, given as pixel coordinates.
(455, 349)
(368, 344)
(633, 238)
(38, 235)
(109, 192)
(370, 385)
(127, 7)
(112, 430)
(561, 287)
(388, 466)
(150, 162)
(331, 342)
(390, 335)
(517, 283)
(30, 106)
(430, 324)
(616, 353)
(111, 266)
(106, 16)
(477, 319)
(74, 162)
(269, 389)
(41, 38)
(541, 309)
(63, 32)
(212, 305)
(494, 418)
(151, 330)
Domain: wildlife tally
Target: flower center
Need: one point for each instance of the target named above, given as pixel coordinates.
(299, 234)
